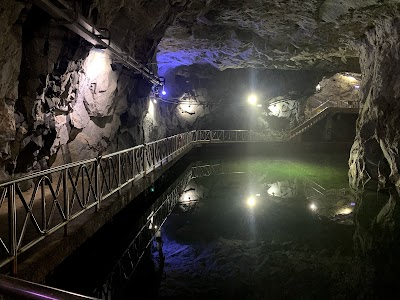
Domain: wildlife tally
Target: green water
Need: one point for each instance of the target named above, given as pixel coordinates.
(263, 228)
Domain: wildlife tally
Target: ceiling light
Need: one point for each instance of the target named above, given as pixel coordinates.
(252, 99)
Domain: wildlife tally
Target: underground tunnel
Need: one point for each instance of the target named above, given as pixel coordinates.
(168, 149)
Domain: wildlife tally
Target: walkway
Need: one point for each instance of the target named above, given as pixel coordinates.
(322, 111)
(53, 203)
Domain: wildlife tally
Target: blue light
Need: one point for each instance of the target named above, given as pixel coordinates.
(163, 92)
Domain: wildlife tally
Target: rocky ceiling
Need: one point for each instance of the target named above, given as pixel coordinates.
(274, 34)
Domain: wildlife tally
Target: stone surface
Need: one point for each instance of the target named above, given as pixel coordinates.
(269, 33)
(374, 159)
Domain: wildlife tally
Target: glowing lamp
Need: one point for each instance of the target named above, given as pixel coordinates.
(252, 99)
(251, 202)
(345, 211)
(313, 207)
(163, 92)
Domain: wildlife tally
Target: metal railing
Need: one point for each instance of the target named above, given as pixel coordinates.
(21, 289)
(37, 205)
(332, 103)
(321, 111)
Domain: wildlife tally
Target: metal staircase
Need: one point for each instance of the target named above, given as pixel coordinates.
(318, 114)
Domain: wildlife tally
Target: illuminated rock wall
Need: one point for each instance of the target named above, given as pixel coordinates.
(62, 101)
(374, 158)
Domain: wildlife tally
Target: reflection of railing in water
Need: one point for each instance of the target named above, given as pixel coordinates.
(130, 259)
(157, 215)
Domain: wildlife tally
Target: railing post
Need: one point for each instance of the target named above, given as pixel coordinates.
(119, 174)
(12, 221)
(43, 196)
(144, 159)
(97, 180)
(133, 164)
(66, 200)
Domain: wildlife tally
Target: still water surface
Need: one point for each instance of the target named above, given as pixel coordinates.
(262, 228)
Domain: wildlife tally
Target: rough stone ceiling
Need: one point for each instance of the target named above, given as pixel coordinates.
(274, 34)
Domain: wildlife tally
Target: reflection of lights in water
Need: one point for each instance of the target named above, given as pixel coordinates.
(251, 201)
(344, 211)
(188, 195)
(313, 206)
(151, 218)
(282, 189)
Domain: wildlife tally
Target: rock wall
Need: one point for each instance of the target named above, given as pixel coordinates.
(62, 100)
(10, 60)
(341, 89)
(374, 158)
(222, 95)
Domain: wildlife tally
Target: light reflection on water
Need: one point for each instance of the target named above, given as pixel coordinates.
(257, 220)
(266, 199)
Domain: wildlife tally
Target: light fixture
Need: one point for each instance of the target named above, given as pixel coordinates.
(252, 99)
(251, 202)
(313, 207)
(344, 211)
(163, 92)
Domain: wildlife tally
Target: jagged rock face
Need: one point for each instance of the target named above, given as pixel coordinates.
(137, 26)
(374, 157)
(213, 99)
(269, 34)
(71, 102)
(10, 60)
(341, 89)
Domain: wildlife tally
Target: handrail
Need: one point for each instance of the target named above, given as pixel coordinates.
(316, 114)
(44, 202)
(22, 289)
(41, 203)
